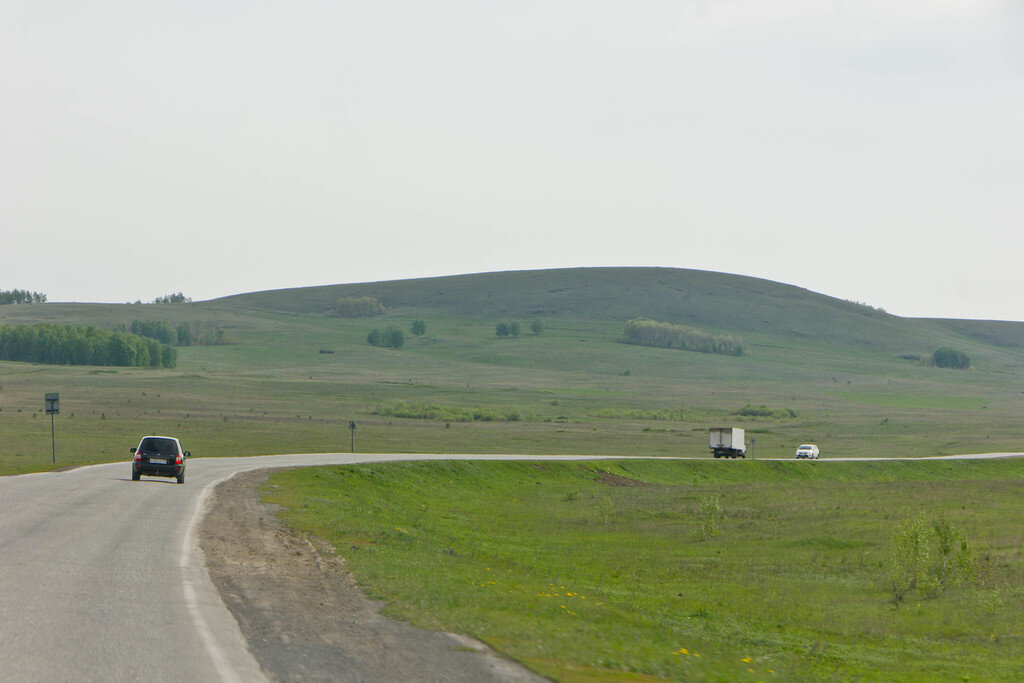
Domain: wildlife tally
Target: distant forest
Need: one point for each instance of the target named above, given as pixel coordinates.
(21, 296)
(55, 344)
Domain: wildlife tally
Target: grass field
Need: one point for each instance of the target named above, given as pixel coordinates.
(793, 587)
(602, 570)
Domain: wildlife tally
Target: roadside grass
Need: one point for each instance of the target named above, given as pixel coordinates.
(600, 570)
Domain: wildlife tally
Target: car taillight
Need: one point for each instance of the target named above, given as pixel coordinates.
(177, 460)
(138, 456)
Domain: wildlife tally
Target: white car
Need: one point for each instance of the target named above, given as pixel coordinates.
(807, 451)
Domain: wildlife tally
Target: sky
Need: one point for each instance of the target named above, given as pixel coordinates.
(871, 150)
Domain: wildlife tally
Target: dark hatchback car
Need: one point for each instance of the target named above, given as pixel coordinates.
(159, 456)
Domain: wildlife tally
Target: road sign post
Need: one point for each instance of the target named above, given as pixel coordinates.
(352, 428)
(52, 408)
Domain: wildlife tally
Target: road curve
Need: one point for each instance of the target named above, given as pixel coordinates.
(101, 578)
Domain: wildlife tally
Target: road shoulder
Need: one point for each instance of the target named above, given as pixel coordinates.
(302, 613)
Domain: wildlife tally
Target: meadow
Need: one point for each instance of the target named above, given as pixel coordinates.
(605, 570)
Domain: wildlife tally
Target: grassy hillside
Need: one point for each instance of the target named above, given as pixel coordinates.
(295, 377)
(714, 300)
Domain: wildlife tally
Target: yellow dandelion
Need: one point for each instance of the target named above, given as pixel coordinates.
(748, 660)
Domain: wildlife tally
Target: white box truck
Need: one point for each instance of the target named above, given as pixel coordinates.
(727, 442)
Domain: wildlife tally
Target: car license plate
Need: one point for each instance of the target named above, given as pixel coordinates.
(157, 461)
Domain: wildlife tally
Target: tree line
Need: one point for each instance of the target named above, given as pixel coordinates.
(56, 344)
(184, 334)
(392, 337)
(670, 336)
(177, 298)
(21, 296)
(513, 329)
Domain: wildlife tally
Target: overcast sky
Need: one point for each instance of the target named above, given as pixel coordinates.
(871, 150)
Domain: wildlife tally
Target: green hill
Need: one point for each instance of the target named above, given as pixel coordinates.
(698, 298)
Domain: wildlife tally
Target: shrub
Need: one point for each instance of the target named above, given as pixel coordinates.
(440, 413)
(502, 330)
(709, 512)
(764, 411)
(929, 558)
(358, 307)
(419, 328)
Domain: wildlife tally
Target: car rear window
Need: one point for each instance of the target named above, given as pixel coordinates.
(161, 446)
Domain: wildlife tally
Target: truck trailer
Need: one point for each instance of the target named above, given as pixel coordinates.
(727, 442)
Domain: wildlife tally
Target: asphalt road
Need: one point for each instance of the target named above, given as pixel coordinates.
(101, 578)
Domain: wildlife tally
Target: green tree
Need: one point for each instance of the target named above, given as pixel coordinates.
(502, 330)
(419, 328)
(536, 327)
(395, 337)
(513, 329)
(947, 357)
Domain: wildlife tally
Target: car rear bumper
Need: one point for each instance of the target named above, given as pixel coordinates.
(158, 470)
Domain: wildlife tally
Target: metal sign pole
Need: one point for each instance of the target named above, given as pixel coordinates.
(52, 408)
(352, 428)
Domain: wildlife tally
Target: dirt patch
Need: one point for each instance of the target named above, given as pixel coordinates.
(616, 480)
(305, 618)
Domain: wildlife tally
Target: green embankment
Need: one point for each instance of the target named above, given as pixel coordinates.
(605, 570)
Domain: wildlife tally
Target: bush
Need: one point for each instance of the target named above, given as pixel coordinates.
(419, 328)
(709, 512)
(358, 307)
(439, 413)
(928, 558)
(764, 411)
(502, 330)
